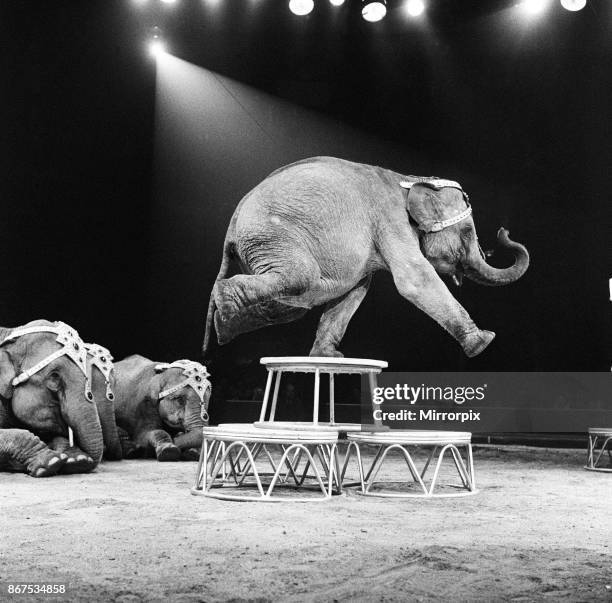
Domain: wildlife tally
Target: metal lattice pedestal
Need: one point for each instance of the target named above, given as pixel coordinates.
(600, 441)
(244, 463)
(318, 366)
(439, 442)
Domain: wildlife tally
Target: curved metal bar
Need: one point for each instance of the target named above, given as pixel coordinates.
(408, 460)
(311, 461)
(359, 464)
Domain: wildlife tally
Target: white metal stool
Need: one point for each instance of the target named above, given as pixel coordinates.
(600, 440)
(440, 442)
(318, 365)
(238, 458)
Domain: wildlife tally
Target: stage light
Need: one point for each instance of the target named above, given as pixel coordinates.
(573, 5)
(533, 7)
(337, 2)
(415, 7)
(301, 7)
(156, 48)
(157, 45)
(374, 10)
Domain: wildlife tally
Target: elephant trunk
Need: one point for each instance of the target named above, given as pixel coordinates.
(112, 444)
(193, 416)
(193, 424)
(477, 269)
(81, 415)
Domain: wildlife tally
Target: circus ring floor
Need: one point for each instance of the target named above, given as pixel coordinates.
(540, 528)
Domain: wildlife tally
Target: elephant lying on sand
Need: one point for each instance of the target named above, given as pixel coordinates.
(315, 231)
(100, 373)
(43, 391)
(154, 400)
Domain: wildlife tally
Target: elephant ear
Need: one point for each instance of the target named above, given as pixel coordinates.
(156, 385)
(430, 203)
(7, 374)
(423, 205)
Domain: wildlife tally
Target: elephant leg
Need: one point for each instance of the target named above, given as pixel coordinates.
(232, 295)
(161, 442)
(129, 450)
(21, 450)
(418, 282)
(335, 319)
(255, 317)
(77, 461)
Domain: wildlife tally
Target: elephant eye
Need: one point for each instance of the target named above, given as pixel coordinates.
(54, 380)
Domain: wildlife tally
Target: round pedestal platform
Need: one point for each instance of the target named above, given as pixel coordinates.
(308, 425)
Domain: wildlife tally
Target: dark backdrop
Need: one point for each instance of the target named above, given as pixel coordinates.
(124, 243)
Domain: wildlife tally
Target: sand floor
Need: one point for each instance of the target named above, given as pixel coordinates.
(540, 528)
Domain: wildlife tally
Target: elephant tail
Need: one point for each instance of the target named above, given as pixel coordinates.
(228, 251)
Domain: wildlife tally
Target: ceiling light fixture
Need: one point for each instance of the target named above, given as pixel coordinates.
(573, 5)
(301, 7)
(374, 10)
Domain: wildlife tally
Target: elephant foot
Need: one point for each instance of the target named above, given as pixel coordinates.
(167, 452)
(328, 351)
(77, 461)
(477, 342)
(133, 453)
(225, 300)
(190, 454)
(129, 450)
(46, 463)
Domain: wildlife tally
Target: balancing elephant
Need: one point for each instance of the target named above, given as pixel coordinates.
(100, 374)
(156, 401)
(315, 231)
(44, 391)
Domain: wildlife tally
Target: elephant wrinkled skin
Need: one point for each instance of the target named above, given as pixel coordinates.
(35, 415)
(315, 231)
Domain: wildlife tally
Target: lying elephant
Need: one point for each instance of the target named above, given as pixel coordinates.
(100, 374)
(44, 391)
(153, 401)
(315, 231)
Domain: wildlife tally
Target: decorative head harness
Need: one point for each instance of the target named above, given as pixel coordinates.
(101, 358)
(71, 345)
(196, 378)
(437, 184)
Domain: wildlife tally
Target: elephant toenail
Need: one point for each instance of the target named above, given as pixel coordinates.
(63, 456)
(81, 457)
(40, 472)
(71, 460)
(54, 460)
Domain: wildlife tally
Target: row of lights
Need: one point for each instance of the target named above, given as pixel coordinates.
(373, 10)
